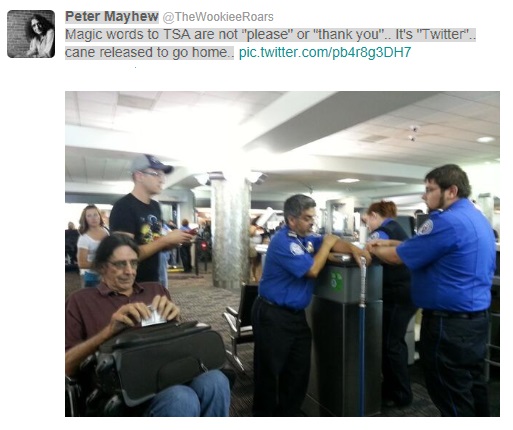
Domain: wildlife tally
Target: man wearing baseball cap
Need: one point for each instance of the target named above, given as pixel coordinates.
(140, 217)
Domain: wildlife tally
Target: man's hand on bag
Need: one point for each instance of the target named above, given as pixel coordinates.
(128, 315)
(166, 308)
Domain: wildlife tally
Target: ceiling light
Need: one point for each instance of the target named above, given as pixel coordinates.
(348, 180)
(485, 139)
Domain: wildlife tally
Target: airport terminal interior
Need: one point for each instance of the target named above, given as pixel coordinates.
(237, 156)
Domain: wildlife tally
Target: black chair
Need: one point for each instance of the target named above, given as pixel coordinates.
(241, 330)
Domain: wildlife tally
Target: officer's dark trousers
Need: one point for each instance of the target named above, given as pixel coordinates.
(281, 360)
(452, 353)
(396, 377)
(185, 255)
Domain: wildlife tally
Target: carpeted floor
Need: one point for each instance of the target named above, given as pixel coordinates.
(199, 300)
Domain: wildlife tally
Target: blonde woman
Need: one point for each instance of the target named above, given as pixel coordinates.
(92, 230)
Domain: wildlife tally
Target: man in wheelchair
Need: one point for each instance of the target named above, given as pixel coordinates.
(94, 315)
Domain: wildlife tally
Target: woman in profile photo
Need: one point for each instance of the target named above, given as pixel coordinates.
(41, 34)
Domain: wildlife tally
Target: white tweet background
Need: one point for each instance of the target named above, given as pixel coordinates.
(33, 151)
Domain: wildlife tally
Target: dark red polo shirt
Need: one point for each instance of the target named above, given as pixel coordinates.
(89, 310)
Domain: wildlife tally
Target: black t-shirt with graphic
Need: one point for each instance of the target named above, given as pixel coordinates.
(143, 220)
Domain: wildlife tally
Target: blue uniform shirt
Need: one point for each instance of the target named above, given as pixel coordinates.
(380, 234)
(286, 263)
(452, 260)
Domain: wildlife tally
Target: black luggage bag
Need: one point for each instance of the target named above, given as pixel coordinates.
(139, 362)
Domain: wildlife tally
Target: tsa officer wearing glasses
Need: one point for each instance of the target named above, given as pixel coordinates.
(139, 216)
(94, 315)
(294, 258)
(452, 262)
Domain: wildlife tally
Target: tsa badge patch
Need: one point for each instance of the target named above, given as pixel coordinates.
(426, 227)
(296, 249)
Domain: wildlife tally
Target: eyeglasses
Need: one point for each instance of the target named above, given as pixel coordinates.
(154, 174)
(120, 265)
(430, 190)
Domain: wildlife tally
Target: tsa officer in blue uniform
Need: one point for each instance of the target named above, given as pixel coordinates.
(294, 258)
(398, 309)
(452, 262)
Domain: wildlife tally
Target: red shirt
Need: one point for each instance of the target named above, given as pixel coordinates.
(89, 310)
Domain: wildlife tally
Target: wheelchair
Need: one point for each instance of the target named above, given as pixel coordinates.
(95, 390)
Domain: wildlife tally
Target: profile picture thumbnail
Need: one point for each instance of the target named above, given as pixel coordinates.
(30, 33)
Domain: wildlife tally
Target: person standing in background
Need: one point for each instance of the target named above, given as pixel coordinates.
(92, 231)
(105, 217)
(164, 259)
(416, 215)
(71, 239)
(185, 249)
(452, 262)
(255, 259)
(139, 216)
(398, 309)
(172, 261)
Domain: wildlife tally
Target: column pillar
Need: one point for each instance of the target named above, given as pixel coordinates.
(230, 201)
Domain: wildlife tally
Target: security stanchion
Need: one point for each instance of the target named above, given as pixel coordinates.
(196, 255)
(362, 306)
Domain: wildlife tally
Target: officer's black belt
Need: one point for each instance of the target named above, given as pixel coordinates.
(460, 315)
(276, 305)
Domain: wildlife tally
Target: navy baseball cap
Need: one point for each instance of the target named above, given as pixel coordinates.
(146, 161)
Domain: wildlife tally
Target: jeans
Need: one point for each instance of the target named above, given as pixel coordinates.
(163, 257)
(208, 395)
(90, 279)
(172, 257)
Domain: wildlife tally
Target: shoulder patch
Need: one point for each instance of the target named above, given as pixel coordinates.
(374, 235)
(426, 227)
(296, 249)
